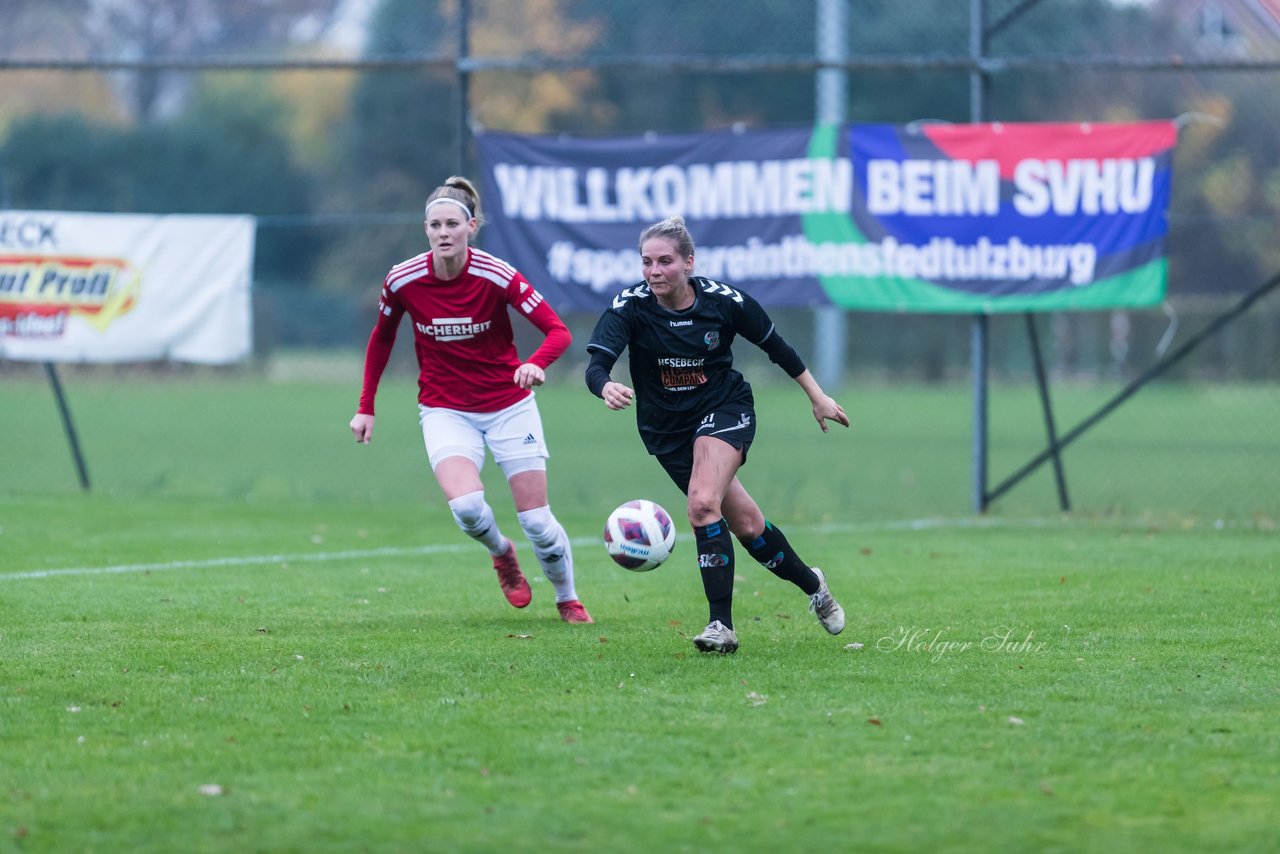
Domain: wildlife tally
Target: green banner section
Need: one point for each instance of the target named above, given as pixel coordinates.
(1144, 286)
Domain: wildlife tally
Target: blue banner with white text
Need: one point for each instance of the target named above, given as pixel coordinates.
(928, 218)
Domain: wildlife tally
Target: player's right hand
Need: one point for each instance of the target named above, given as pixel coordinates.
(616, 395)
(362, 428)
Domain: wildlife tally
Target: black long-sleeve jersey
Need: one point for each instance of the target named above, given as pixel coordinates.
(681, 361)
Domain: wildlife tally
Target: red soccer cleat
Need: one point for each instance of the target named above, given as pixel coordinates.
(573, 612)
(511, 579)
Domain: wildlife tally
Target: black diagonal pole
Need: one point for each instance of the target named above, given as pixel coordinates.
(67, 424)
(1132, 388)
(1047, 407)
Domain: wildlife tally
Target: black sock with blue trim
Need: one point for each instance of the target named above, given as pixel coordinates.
(715, 562)
(775, 554)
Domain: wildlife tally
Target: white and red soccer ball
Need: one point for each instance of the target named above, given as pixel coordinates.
(639, 535)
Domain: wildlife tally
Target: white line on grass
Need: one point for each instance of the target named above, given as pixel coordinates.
(451, 548)
(252, 560)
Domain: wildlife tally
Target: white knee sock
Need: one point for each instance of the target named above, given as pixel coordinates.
(475, 517)
(551, 546)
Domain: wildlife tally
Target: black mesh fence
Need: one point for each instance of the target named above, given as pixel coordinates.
(330, 120)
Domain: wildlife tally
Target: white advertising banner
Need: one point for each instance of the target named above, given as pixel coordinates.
(82, 287)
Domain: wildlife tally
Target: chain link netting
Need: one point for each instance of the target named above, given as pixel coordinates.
(330, 120)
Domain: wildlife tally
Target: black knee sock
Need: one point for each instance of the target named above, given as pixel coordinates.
(715, 560)
(773, 551)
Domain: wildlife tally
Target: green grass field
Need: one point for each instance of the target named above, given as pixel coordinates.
(253, 635)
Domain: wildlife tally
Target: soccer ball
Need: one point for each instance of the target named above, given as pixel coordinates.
(639, 535)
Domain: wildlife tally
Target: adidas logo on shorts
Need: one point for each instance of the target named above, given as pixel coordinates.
(529, 440)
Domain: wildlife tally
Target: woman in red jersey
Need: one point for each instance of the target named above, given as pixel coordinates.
(473, 389)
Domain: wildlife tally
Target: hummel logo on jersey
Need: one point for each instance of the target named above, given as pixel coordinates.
(452, 328)
(529, 440)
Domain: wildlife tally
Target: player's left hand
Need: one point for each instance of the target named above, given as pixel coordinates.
(529, 375)
(826, 408)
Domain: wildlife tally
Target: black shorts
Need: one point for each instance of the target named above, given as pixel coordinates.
(735, 426)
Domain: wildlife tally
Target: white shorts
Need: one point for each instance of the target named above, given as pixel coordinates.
(513, 435)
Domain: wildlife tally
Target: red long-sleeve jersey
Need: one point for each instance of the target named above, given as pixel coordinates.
(462, 332)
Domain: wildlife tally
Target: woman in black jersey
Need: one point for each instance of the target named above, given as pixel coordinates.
(696, 414)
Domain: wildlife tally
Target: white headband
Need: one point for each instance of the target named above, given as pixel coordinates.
(452, 202)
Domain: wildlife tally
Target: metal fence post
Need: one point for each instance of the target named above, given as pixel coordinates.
(831, 39)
